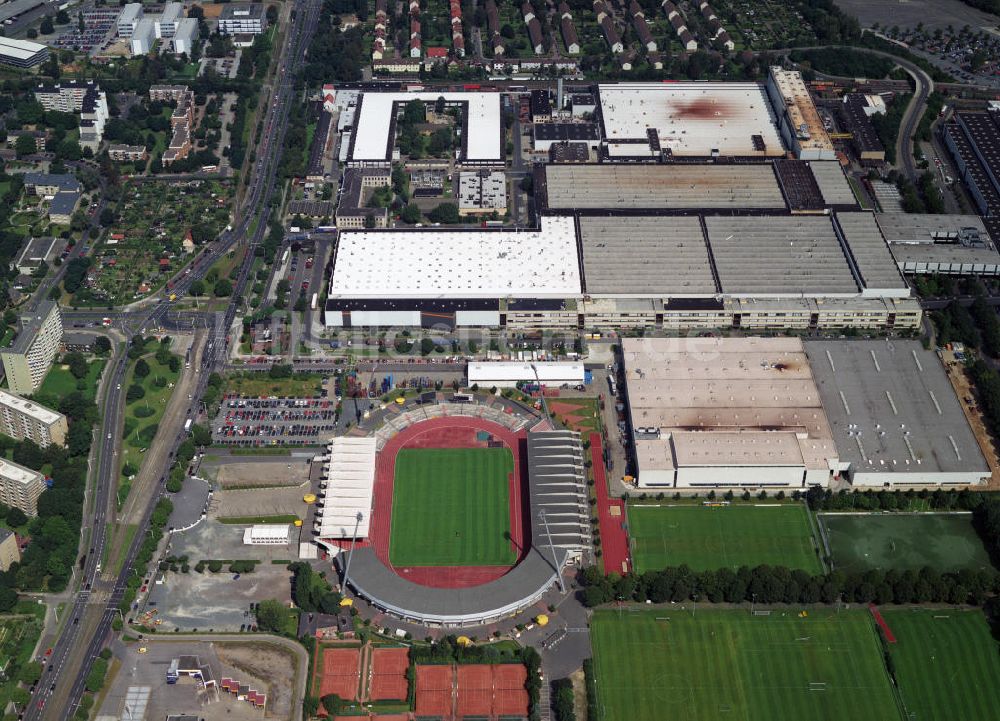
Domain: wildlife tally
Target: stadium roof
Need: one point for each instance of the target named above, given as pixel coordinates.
(779, 255)
(432, 263)
(375, 122)
(892, 408)
(645, 255)
(348, 485)
(669, 187)
(557, 487)
(692, 119)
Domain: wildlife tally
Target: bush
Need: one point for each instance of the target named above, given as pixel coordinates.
(134, 393)
(143, 412)
(215, 566)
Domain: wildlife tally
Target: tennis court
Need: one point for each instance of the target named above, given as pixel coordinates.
(388, 674)
(714, 665)
(451, 507)
(711, 537)
(340, 672)
(903, 541)
(435, 686)
(947, 664)
(473, 690)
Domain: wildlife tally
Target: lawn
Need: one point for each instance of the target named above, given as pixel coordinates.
(707, 538)
(946, 664)
(60, 382)
(904, 541)
(720, 665)
(451, 507)
(261, 385)
(579, 414)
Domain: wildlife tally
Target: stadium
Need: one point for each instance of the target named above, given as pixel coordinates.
(475, 508)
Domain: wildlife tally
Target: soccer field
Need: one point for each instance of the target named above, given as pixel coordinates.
(451, 507)
(724, 665)
(947, 664)
(707, 538)
(904, 541)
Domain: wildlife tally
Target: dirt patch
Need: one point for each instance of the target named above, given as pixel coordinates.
(261, 474)
(579, 695)
(264, 661)
(262, 502)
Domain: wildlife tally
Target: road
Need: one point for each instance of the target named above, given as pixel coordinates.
(88, 625)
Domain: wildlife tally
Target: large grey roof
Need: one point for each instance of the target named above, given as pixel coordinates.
(664, 255)
(871, 253)
(891, 405)
(663, 187)
(557, 487)
(779, 255)
(833, 184)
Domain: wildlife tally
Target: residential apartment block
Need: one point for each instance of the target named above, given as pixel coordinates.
(9, 552)
(30, 356)
(20, 487)
(21, 418)
(83, 97)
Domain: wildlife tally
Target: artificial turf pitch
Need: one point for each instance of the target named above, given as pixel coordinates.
(711, 537)
(947, 664)
(451, 507)
(723, 665)
(904, 541)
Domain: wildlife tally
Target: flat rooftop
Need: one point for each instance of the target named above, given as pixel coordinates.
(833, 184)
(779, 255)
(878, 269)
(801, 110)
(692, 119)
(432, 263)
(725, 401)
(892, 408)
(665, 187)
(18, 49)
(29, 408)
(636, 252)
(18, 474)
(927, 228)
(375, 122)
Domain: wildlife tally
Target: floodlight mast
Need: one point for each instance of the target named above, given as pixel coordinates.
(350, 554)
(552, 548)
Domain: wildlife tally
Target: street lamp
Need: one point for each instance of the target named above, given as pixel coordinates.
(350, 554)
(552, 548)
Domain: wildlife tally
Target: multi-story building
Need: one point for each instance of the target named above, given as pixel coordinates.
(78, 96)
(29, 357)
(9, 552)
(20, 488)
(166, 24)
(22, 53)
(143, 37)
(171, 93)
(21, 418)
(242, 19)
(43, 184)
(127, 153)
(181, 119)
(128, 20)
(185, 36)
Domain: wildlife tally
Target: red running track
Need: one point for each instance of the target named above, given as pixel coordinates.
(886, 631)
(614, 539)
(448, 432)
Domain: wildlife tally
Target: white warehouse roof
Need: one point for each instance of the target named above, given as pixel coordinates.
(509, 373)
(350, 480)
(375, 120)
(459, 263)
(691, 119)
(264, 532)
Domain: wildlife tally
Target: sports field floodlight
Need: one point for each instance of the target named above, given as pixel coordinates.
(555, 560)
(541, 392)
(354, 540)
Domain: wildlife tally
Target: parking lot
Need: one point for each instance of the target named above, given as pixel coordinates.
(97, 25)
(274, 421)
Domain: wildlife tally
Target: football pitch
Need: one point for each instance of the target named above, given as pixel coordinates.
(451, 507)
(947, 664)
(722, 665)
(904, 541)
(711, 537)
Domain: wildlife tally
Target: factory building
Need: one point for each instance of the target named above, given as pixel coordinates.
(798, 120)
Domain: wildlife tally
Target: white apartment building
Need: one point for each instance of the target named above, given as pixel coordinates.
(83, 97)
(242, 19)
(166, 24)
(143, 37)
(21, 418)
(185, 36)
(130, 16)
(30, 356)
(20, 487)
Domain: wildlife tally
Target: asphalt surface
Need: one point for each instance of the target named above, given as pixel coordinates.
(88, 624)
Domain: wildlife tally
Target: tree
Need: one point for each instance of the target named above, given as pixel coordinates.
(272, 616)
(16, 518)
(141, 368)
(46, 27)
(333, 704)
(223, 288)
(62, 17)
(446, 214)
(369, 221)
(107, 216)
(197, 288)
(135, 393)
(25, 145)
(78, 365)
(410, 214)
(272, 14)
(201, 435)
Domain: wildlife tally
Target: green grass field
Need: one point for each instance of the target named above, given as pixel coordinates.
(947, 664)
(947, 542)
(707, 538)
(450, 507)
(722, 665)
(60, 382)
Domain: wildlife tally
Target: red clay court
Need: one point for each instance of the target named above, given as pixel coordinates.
(388, 674)
(483, 690)
(449, 432)
(340, 672)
